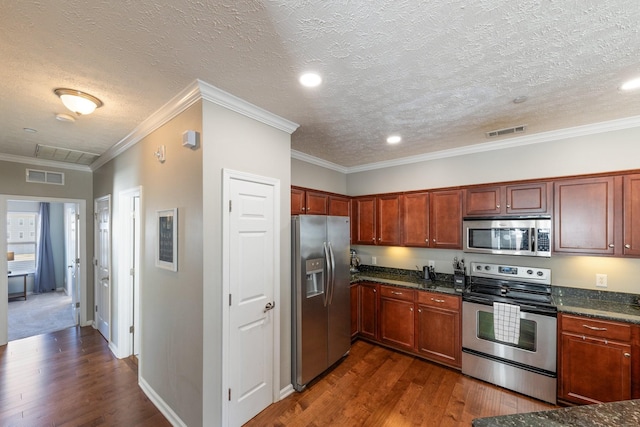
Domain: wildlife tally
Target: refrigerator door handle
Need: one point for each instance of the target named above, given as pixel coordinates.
(332, 273)
(327, 258)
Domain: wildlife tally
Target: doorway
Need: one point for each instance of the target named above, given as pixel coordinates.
(70, 245)
(128, 293)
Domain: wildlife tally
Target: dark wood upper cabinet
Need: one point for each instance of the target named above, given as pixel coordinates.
(584, 215)
(317, 203)
(363, 220)
(298, 202)
(483, 201)
(339, 205)
(388, 229)
(415, 219)
(631, 243)
(445, 217)
(517, 199)
(524, 199)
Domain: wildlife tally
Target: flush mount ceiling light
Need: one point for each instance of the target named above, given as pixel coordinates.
(631, 84)
(394, 139)
(65, 118)
(520, 99)
(310, 80)
(78, 102)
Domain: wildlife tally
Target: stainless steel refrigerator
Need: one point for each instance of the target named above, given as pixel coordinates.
(321, 326)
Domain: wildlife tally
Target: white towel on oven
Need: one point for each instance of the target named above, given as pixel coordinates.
(506, 322)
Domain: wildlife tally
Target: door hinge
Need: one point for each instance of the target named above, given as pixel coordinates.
(77, 260)
(95, 215)
(95, 262)
(229, 300)
(78, 305)
(131, 329)
(132, 272)
(229, 395)
(230, 205)
(78, 217)
(96, 308)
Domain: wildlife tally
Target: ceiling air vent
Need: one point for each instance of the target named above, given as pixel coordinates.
(58, 154)
(506, 131)
(45, 177)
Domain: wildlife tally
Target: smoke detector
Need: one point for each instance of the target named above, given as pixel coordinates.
(506, 131)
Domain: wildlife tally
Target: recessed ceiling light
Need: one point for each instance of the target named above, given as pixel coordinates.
(29, 130)
(631, 84)
(394, 139)
(520, 99)
(310, 79)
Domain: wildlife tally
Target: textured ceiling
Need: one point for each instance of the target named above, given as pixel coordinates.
(440, 73)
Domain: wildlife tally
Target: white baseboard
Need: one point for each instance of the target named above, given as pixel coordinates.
(166, 410)
(288, 390)
(88, 323)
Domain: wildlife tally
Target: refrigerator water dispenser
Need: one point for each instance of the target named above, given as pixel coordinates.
(315, 276)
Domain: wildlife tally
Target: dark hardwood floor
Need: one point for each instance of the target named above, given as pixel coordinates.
(71, 378)
(375, 386)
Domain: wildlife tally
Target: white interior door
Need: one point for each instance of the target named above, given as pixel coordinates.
(103, 264)
(253, 275)
(72, 241)
(135, 277)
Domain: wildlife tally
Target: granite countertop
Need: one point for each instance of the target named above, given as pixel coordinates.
(614, 414)
(616, 306)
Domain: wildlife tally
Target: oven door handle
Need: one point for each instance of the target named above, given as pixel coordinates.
(533, 241)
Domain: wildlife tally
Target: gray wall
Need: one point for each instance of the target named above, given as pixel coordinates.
(307, 175)
(236, 142)
(171, 303)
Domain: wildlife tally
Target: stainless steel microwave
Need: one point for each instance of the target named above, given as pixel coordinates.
(530, 236)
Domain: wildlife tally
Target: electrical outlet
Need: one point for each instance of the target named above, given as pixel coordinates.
(374, 260)
(601, 280)
(432, 263)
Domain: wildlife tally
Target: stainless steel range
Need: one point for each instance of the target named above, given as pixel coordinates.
(509, 329)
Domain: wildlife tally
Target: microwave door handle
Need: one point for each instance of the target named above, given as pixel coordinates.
(533, 241)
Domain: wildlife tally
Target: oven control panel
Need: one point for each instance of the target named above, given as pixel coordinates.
(511, 272)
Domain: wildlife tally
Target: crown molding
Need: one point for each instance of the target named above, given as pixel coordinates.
(225, 99)
(318, 162)
(196, 91)
(555, 135)
(34, 161)
(176, 105)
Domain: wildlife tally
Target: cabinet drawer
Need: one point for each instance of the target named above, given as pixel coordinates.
(397, 293)
(596, 328)
(433, 299)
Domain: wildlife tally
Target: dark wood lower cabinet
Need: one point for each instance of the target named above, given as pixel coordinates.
(396, 323)
(368, 310)
(425, 324)
(438, 328)
(355, 312)
(595, 360)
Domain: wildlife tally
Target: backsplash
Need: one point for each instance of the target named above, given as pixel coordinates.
(413, 274)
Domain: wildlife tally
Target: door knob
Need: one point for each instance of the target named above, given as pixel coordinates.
(269, 306)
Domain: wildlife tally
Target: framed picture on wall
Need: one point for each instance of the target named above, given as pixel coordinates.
(167, 248)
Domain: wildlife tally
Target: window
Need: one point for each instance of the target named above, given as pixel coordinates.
(21, 240)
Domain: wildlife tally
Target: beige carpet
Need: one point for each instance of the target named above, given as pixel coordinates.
(39, 314)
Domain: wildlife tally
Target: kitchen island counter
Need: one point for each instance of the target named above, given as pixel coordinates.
(615, 414)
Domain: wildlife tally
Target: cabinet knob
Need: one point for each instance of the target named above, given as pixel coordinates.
(627, 355)
(434, 240)
(627, 246)
(497, 206)
(426, 240)
(508, 205)
(410, 308)
(611, 245)
(419, 310)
